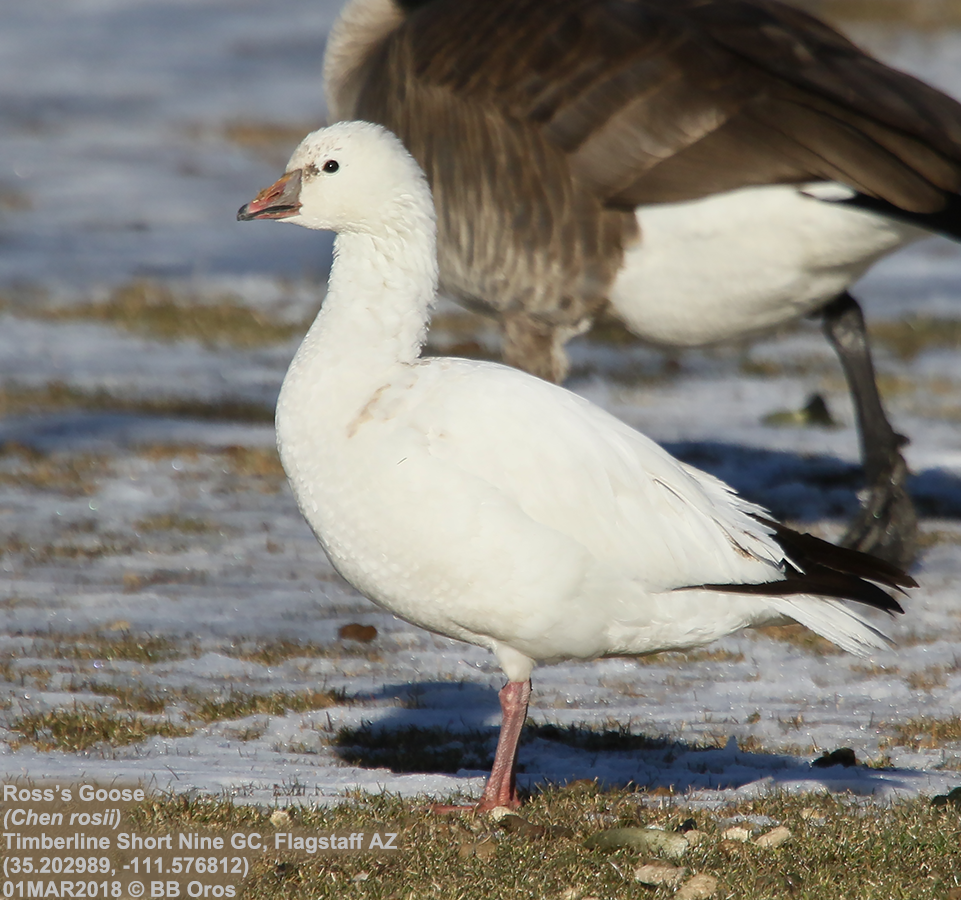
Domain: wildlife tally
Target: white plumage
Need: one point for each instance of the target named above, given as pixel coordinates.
(484, 504)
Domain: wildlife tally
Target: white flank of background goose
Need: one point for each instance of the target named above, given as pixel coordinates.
(484, 504)
(702, 169)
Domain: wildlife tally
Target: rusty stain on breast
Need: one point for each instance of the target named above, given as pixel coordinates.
(367, 411)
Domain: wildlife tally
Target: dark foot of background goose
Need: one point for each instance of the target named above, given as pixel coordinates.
(887, 525)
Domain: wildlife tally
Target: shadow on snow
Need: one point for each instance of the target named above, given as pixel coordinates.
(445, 730)
(805, 488)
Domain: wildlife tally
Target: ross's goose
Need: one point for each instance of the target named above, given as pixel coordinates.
(482, 503)
(702, 169)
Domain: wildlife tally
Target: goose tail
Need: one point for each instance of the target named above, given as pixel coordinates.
(833, 620)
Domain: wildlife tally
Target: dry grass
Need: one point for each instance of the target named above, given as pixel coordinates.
(802, 638)
(873, 670)
(56, 396)
(36, 676)
(924, 733)
(838, 850)
(927, 679)
(13, 200)
(134, 582)
(66, 549)
(907, 338)
(271, 141)
(75, 474)
(271, 653)
(159, 312)
(751, 743)
(248, 733)
(257, 463)
(134, 699)
(258, 468)
(82, 727)
(239, 705)
(92, 645)
(683, 658)
(173, 522)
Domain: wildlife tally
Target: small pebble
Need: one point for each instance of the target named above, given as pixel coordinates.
(280, 818)
(515, 824)
(482, 849)
(953, 798)
(500, 812)
(364, 634)
(647, 840)
(654, 875)
(774, 838)
(737, 833)
(485, 849)
(700, 887)
(694, 837)
(842, 757)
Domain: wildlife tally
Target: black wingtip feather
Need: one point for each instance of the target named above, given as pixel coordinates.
(826, 570)
(806, 550)
(945, 221)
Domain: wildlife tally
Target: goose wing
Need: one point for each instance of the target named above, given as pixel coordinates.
(573, 468)
(663, 100)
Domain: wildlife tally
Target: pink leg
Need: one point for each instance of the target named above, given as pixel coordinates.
(500, 790)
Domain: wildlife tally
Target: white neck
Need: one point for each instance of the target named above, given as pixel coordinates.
(373, 321)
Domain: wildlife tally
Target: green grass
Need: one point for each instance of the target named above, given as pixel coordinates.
(838, 848)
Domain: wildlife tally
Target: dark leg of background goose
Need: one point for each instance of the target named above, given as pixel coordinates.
(887, 523)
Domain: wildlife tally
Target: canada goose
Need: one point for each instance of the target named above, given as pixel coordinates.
(490, 506)
(702, 169)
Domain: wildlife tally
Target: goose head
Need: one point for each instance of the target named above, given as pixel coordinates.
(348, 177)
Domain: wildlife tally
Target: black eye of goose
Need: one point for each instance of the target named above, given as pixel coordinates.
(331, 166)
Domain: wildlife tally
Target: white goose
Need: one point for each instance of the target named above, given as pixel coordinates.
(702, 169)
(484, 504)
